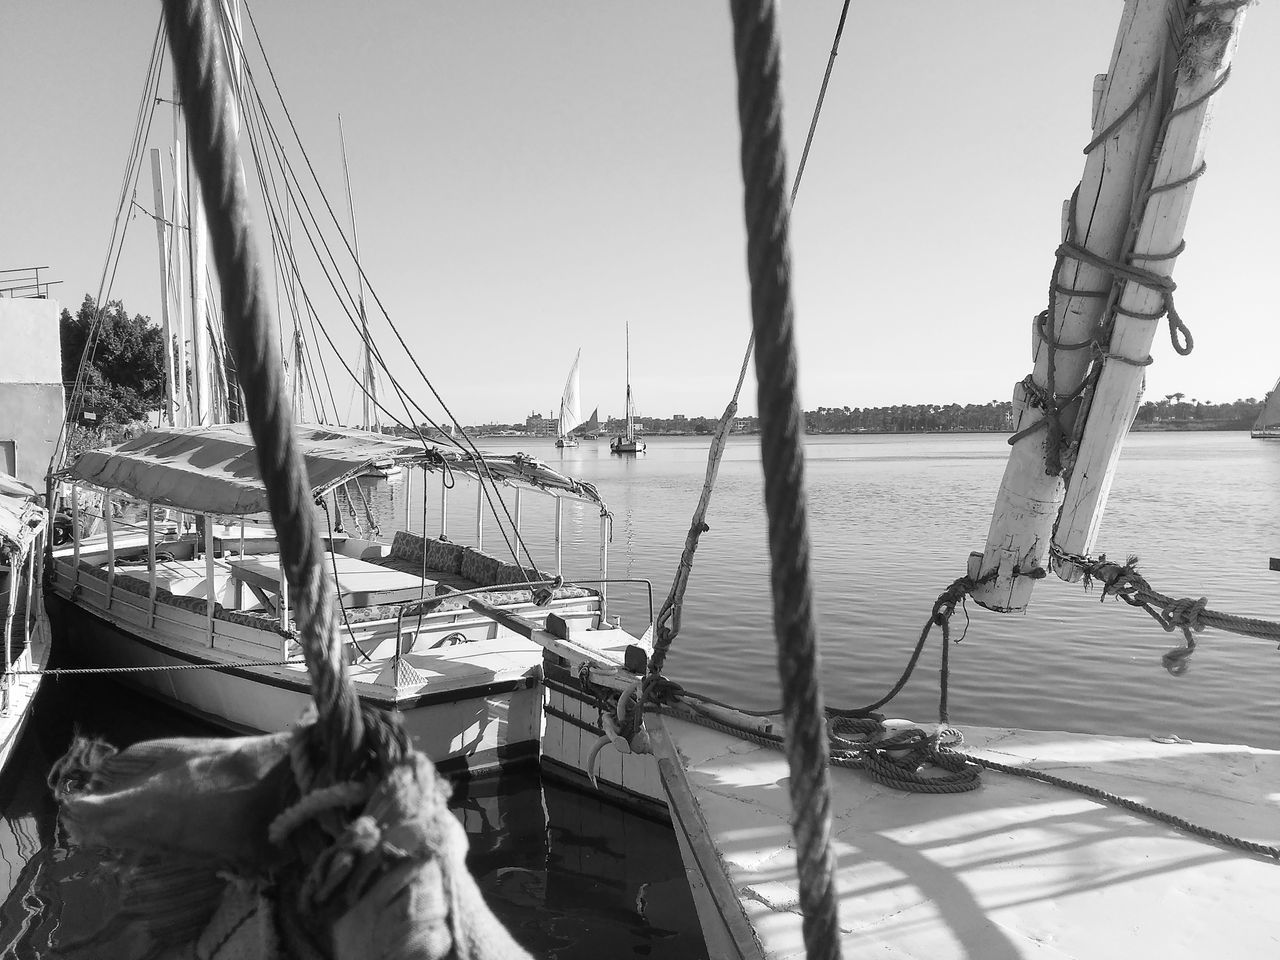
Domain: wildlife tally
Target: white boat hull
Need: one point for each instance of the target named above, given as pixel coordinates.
(475, 706)
(20, 695)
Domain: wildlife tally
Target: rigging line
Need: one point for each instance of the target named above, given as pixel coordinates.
(311, 359)
(668, 619)
(288, 250)
(129, 177)
(373, 292)
(277, 147)
(804, 158)
(280, 238)
(132, 169)
(286, 166)
(474, 450)
(279, 241)
(473, 454)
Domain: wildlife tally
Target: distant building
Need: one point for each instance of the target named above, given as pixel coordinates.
(31, 398)
(536, 425)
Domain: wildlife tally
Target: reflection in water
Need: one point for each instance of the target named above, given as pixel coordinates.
(563, 871)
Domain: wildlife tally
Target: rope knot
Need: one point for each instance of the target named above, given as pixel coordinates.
(1185, 613)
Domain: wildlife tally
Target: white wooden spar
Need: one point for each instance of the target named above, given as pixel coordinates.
(162, 239)
(1210, 43)
(1130, 108)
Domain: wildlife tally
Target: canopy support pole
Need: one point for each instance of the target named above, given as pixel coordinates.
(151, 563)
(108, 522)
(444, 508)
(212, 595)
(559, 535)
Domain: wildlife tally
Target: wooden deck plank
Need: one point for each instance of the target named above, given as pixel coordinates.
(1016, 868)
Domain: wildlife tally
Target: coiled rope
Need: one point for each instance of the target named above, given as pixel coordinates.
(768, 265)
(192, 28)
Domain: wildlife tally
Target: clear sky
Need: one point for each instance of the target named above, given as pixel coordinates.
(529, 177)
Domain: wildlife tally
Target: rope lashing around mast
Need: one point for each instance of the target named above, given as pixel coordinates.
(1191, 616)
(1121, 271)
(781, 420)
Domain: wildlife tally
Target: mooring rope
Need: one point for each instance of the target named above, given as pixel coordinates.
(193, 34)
(781, 420)
(1189, 615)
(1115, 799)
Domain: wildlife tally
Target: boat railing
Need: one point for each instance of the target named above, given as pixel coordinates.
(25, 282)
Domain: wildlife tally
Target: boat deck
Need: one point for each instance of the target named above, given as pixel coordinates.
(1014, 869)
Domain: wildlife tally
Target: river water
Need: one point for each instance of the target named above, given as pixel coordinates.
(892, 521)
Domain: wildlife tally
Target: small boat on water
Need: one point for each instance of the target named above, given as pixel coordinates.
(23, 532)
(183, 594)
(1267, 426)
(570, 407)
(628, 442)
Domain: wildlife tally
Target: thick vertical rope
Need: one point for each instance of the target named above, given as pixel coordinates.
(769, 267)
(206, 97)
(667, 623)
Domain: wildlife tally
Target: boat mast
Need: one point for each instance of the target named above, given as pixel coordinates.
(177, 263)
(631, 430)
(162, 240)
(197, 251)
(1129, 211)
(370, 391)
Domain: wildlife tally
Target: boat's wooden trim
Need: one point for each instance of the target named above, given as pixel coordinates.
(724, 924)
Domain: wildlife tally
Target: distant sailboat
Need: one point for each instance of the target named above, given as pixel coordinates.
(628, 442)
(1267, 426)
(591, 429)
(570, 407)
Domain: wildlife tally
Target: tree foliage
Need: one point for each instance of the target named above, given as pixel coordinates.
(124, 379)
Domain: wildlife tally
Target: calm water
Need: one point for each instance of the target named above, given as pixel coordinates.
(893, 520)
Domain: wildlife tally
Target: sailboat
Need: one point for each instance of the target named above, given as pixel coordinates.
(628, 442)
(591, 429)
(204, 618)
(1267, 426)
(570, 407)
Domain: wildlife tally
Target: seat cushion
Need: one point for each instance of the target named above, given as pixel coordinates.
(444, 556)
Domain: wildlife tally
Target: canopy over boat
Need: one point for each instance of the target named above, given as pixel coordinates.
(215, 469)
(18, 508)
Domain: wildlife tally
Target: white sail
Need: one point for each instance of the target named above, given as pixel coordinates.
(1268, 423)
(570, 405)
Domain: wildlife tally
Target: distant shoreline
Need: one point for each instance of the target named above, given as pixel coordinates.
(1168, 426)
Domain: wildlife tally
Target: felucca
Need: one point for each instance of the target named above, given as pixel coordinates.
(628, 442)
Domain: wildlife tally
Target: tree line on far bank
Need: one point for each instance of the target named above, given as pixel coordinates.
(124, 384)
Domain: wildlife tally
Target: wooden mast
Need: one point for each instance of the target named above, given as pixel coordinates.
(162, 240)
(1156, 65)
(370, 383)
(1210, 43)
(178, 263)
(631, 428)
